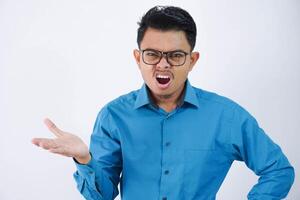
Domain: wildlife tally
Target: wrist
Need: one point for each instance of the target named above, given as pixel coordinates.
(83, 160)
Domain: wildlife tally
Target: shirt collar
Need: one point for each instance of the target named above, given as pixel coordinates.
(144, 98)
(190, 95)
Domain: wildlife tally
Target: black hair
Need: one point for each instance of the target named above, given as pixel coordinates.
(168, 18)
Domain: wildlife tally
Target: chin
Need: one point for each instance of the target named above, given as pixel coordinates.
(162, 92)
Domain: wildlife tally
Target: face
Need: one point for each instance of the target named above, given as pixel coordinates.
(162, 78)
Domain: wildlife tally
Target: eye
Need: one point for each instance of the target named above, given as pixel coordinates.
(151, 53)
(177, 55)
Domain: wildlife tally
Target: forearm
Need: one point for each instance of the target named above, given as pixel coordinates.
(275, 180)
(87, 188)
(93, 183)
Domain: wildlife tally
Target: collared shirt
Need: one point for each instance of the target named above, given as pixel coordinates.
(181, 155)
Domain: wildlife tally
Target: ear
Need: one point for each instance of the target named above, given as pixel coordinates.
(193, 59)
(137, 56)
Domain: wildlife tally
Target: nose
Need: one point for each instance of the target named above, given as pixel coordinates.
(163, 63)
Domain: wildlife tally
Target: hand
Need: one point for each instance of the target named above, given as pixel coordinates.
(65, 144)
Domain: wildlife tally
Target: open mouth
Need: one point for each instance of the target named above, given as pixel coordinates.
(163, 79)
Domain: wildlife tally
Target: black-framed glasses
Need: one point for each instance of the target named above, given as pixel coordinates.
(174, 58)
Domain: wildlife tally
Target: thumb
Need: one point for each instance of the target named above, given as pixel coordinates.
(53, 128)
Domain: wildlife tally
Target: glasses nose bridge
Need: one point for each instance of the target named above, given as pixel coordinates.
(164, 55)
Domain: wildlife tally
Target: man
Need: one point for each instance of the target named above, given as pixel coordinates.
(170, 140)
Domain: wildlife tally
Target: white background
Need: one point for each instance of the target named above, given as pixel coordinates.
(65, 59)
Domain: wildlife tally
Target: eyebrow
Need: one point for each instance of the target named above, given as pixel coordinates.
(176, 50)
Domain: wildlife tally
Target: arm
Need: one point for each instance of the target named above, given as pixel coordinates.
(99, 178)
(264, 157)
(98, 174)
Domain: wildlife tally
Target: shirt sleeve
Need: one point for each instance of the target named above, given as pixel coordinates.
(99, 179)
(265, 158)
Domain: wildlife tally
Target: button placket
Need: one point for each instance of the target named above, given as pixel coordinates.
(165, 162)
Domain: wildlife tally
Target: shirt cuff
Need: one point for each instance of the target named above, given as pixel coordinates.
(86, 170)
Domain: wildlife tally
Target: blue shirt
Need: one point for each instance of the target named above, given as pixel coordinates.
(181, 155)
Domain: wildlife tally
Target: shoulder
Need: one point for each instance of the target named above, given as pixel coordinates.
(123, 102)
(210, 97)
(127, 99)
(214, 100)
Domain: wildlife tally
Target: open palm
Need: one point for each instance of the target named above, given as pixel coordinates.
(65, 144)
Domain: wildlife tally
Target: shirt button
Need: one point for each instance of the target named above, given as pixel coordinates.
(164, 198)
(168, 144)
(167, 172)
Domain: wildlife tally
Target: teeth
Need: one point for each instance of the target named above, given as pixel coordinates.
(162, 76)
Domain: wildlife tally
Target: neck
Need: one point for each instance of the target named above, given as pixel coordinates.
(168, 102)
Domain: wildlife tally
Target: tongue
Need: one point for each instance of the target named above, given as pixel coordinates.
(163, 80)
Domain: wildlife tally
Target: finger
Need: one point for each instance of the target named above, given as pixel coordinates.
(53, 128)
(45, 143)
(35, 141)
